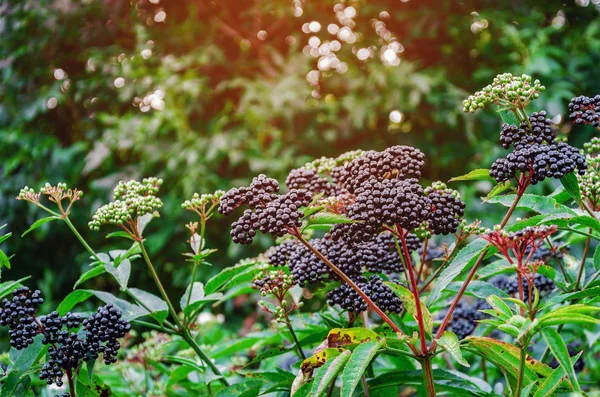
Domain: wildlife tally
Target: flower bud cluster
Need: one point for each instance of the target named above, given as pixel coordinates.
(132, 200)
(506, 90)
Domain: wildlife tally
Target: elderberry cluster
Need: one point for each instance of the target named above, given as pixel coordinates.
(584, 110)
(67, 350)
(446, 211)
(348, 299)
(268, 212)
(464, 320)
(309, 179)
(539, 162)
(537, 130)
(396, 162)
(386, 202)
(18, 314)
(510, 285)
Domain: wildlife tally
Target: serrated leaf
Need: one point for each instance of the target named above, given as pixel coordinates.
(561, 353)
(508, 116)
(94, 272)
(411, 306)
(541, 204)
(571, 185)
(356, 366)
(498, 189)
(158, 307)
(466, 257)
(449, 342)
(39, 223)
(121, 273)
(219, 281)
(482, 174)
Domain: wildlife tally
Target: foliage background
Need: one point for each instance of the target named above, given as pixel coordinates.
(235, 105)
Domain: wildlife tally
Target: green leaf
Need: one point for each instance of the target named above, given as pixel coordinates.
(475, 175)
(356, 366)
(551, 383)
(597, 257)
(94, 272)
(197, 293)
(503, 311)
(508, 116)
(120, 234)
(4, 260)
(247, 388)
(541, 204)
(571, 185)
(466, 257)
(130, 311)
(410, 304)
(327, 373)
(39, 223)
(449, 342)
(8, 286)
(158, 307)
(561, 353)
(497, 189)
(84, 387)
(217, 282)
(328, 218)
(121, 273)
(72, 300)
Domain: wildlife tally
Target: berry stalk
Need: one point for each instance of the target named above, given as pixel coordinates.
(351, 283)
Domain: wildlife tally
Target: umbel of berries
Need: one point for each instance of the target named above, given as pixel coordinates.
(18, 314)
(268, 212)
(102, 329)
(584, 110)
(537, 130)
(446, 211)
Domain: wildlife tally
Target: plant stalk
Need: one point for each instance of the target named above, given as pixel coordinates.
(183, 331)
(71, 383)
(523, 358)
(428, 376)
(295, 338)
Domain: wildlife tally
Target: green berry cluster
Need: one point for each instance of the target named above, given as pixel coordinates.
(29, 194)
(589, 182)
(55, 193)
(327, 164)
(132, 200)
(506, 90)
(472, 229)
(200, 200)
(441, 187)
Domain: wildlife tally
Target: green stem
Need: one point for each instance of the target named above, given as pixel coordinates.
(428, 376)
(182, 330)
(80, 238)
(154, 326)
(582, 266)
(295, 338)
(522, 361)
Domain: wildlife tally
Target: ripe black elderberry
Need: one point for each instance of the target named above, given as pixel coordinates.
(538, 130)
(387, 202)
(510, 285)
(279, 255)
(382, 295)
(18, 314)
(540, 162)
(464, 320)
(396, 162)
(446, 211)
(381, 254)
(310, 180)
(584, 110)
(347, 298)
(433, 252)
(261, 191)
(102, 329)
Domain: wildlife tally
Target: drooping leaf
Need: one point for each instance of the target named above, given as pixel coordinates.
(411, 306)
(356, 366)
(561, 353)
(121, 273)
(571, 185)
(157, 306)
(39, 223)
(475, 175)
(93, 272)
(449, 342)
(541, 204)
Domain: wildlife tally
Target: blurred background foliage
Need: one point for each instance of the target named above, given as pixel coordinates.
(207, 94)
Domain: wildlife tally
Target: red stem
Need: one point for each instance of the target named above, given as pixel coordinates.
(415, 289)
